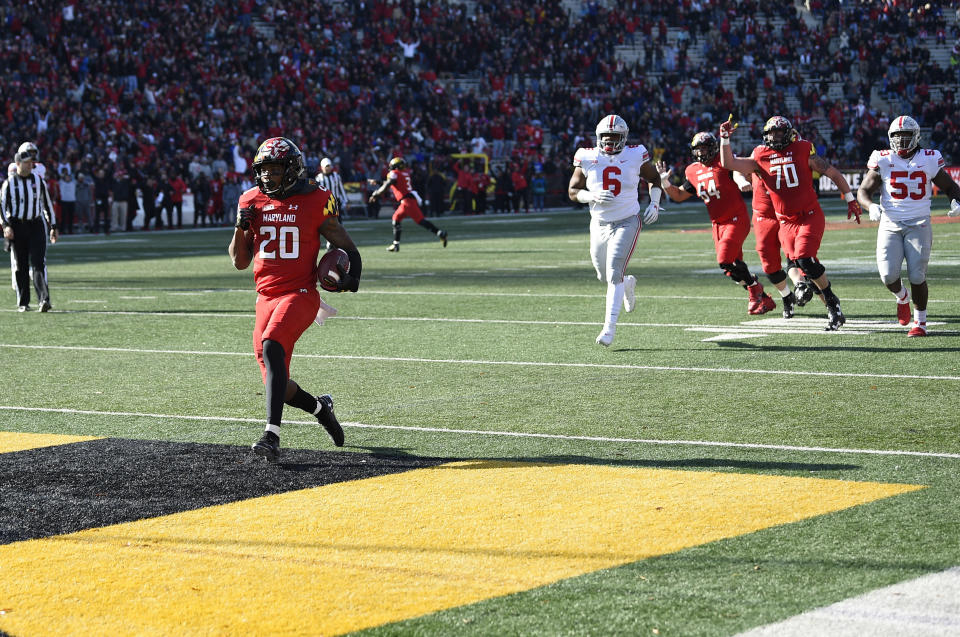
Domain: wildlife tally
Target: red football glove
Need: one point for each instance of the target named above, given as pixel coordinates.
(853, 210)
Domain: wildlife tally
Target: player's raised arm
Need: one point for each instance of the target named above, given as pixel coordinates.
(728, 160)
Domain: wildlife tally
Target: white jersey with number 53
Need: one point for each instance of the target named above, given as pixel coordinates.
(907, 182)
(620, 174)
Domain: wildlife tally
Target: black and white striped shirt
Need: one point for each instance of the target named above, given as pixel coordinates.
(26, 198)
(334, 184)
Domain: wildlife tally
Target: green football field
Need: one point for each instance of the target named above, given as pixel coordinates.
(709, 473)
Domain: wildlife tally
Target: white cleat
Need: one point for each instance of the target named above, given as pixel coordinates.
(629, 292)
(606, 336)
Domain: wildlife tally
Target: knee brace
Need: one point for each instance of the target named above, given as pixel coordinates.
(777, 277)
(811, 267)
(738, 271)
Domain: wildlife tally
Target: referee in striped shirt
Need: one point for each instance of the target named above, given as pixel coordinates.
(26, 212)
(329, 180)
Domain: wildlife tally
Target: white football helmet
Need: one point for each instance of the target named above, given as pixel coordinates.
(28, 150)
(615, 130)
(904, 135)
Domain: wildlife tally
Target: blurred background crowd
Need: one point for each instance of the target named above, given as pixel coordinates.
(166, 97)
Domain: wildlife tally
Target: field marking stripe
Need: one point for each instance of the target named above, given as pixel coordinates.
(410, 359)
(511, 434)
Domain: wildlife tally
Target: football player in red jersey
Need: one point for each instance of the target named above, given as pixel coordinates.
(719, 189)
(399, 183)
(766, 228)
(284, 216)
(786, 164)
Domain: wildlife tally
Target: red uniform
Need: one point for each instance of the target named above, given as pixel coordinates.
(786, 174)
(766, 228)
(728, 214)
(402, 189)
(286, 243)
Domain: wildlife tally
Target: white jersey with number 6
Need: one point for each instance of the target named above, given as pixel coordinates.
(907, 182)
(620, 174)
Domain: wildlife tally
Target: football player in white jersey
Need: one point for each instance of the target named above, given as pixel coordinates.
(608, 179)
(905, 176)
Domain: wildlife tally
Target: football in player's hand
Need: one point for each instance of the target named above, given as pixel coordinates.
(327, 273)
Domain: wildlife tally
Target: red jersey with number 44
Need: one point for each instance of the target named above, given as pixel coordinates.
(787, 176)
(286, 238)
(715, 186)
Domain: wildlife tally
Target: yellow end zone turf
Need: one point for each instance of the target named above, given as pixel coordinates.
(13, 441)
(352, 555)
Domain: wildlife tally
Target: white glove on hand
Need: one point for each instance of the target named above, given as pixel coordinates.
(954, 209)
(875, 212)
(651, 214)
(599, 196)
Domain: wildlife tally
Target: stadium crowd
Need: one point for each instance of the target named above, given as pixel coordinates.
(159, 92)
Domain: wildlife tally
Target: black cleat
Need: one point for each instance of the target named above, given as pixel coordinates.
(836, 317)
(393, 247)
(268, 446)
(789, 301)
(45, 306)
(803, 291)
(443, 237)
(329, 420)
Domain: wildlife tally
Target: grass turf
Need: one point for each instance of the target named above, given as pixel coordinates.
(495, 334)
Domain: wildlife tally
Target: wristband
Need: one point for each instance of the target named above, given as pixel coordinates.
(724, 141)
(585, 196)
(848, 197)
(664, 176)
(655, 195)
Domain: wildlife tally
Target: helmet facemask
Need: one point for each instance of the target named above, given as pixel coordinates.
(611, 142)
(903, 142)
(283, 152)
(778, 133)
(704, 147)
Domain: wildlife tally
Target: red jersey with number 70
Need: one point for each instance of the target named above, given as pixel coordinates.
(786, 174)
(286, 237)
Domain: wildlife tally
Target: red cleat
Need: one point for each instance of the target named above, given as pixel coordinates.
(918, 329)
(903, 313)
(759, 303)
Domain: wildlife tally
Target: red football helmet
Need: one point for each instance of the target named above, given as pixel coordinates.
(778, 133)
(278, 150)
(704, 147)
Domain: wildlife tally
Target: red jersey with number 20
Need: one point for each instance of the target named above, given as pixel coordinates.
(286, 238)
(787, 176)
(716, 188)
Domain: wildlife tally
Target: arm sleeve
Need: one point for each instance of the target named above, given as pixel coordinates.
(686, 185)
(47, 204)
(5, 202)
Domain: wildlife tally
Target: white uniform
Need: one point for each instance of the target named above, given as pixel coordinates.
(905, 232)
(614, 224)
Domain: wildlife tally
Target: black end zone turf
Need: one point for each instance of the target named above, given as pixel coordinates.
(66, 488)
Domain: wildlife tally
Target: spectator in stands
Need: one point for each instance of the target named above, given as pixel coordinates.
(68, 201)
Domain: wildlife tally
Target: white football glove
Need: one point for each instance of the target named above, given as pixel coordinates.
(651, 214)
(875, 212)
(954, 209)
(597, 196)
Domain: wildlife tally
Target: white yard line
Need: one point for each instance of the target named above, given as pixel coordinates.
(928, 606)
(469, 361)
(510, 434)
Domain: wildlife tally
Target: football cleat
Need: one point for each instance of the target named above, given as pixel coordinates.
(442, 235)
(835, 316)
(23, 308)
(759, 303)
(329, 420)
(803, 291)
(45, 306)
(629, 292)
(918, 329)
(393, 247)
(606, 336)
(268, 446)
(903, 313)
(789, 301)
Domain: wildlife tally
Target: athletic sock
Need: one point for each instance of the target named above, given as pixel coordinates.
(614, 302)
(303, 400)
(785, 292)
(903, 296)
(920, 316)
